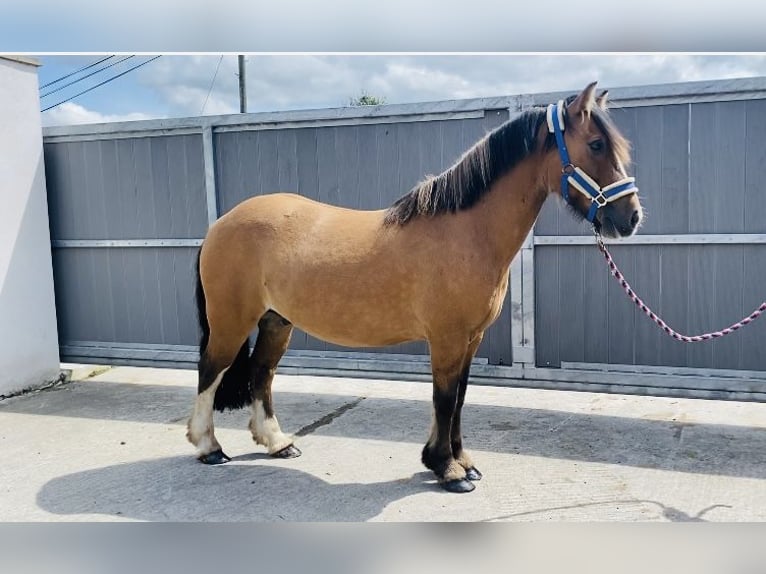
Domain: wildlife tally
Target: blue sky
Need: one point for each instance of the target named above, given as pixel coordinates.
(123, 96)
(177, 85)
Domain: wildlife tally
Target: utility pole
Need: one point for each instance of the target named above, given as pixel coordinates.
(242, 88)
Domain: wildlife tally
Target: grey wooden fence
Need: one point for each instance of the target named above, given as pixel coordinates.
(130, 202)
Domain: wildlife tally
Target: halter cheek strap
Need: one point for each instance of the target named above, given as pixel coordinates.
(576, 177)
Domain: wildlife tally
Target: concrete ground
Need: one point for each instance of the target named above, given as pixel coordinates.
(112, 447)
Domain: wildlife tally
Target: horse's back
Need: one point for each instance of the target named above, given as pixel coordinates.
(275, 204)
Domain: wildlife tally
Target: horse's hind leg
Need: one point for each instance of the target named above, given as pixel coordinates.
(215, 361)
(273, 337)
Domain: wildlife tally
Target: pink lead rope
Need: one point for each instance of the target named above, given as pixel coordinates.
(678, 336)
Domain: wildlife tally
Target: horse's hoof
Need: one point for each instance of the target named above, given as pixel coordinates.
(289, 451)
(215, 457)
(460, 485)
(473, 473)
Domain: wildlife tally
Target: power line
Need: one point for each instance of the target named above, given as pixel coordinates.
(56, 81)
(101, 84)
(85, 76)
(211, 84)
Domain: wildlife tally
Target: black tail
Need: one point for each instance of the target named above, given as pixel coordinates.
(204, 326)
(234, 392)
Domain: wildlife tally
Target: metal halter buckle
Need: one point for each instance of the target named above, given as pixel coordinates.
(600, 200)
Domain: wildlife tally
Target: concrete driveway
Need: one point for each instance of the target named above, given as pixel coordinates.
(112, 447)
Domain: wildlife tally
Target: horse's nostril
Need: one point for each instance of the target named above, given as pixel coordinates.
(634, 219)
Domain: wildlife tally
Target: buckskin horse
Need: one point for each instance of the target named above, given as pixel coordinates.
(433, 266)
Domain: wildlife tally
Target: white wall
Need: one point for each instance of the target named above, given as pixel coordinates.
(28, 338)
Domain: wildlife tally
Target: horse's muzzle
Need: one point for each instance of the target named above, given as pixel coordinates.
(617, 221)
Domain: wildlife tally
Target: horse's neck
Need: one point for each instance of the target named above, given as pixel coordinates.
(509, 212)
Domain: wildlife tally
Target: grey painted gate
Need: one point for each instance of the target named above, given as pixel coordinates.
(130, 203)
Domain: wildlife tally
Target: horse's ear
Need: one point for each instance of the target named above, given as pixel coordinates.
(601, 100)
(583, 103)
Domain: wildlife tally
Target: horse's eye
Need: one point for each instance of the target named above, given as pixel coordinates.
(596, 145)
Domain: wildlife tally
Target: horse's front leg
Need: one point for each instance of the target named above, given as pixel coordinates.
(461, 455)
(447, 361)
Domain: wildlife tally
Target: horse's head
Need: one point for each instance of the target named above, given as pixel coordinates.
(589, 159)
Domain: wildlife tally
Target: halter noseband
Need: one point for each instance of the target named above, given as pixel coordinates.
(581, 181)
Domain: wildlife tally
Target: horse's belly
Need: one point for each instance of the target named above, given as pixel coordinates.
(343, 321)
(357, 333)
(349, 339)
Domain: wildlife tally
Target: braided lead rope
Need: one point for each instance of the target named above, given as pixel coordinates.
(664, 326)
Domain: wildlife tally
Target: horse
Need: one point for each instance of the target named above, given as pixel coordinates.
(431, 267)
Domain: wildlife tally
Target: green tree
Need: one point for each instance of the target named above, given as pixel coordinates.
(366, 100)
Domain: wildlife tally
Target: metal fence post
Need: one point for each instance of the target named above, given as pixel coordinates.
(208, 157)
(523, 303)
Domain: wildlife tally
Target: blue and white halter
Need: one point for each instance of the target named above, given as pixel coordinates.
(576, 177)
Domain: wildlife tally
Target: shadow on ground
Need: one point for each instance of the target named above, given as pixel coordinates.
(180, 489)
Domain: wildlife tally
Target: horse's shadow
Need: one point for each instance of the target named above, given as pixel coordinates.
(180, 489)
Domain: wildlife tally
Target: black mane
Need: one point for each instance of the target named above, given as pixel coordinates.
(466, 182)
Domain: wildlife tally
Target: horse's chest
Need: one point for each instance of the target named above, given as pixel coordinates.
(496, 299)
(486, 301)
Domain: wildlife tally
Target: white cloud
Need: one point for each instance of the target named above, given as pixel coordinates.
(429, 82)
(71, 113)
(184, 82)
(290, 82)
(193, 101)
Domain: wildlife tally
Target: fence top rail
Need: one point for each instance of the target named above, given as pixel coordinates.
(673, 93)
